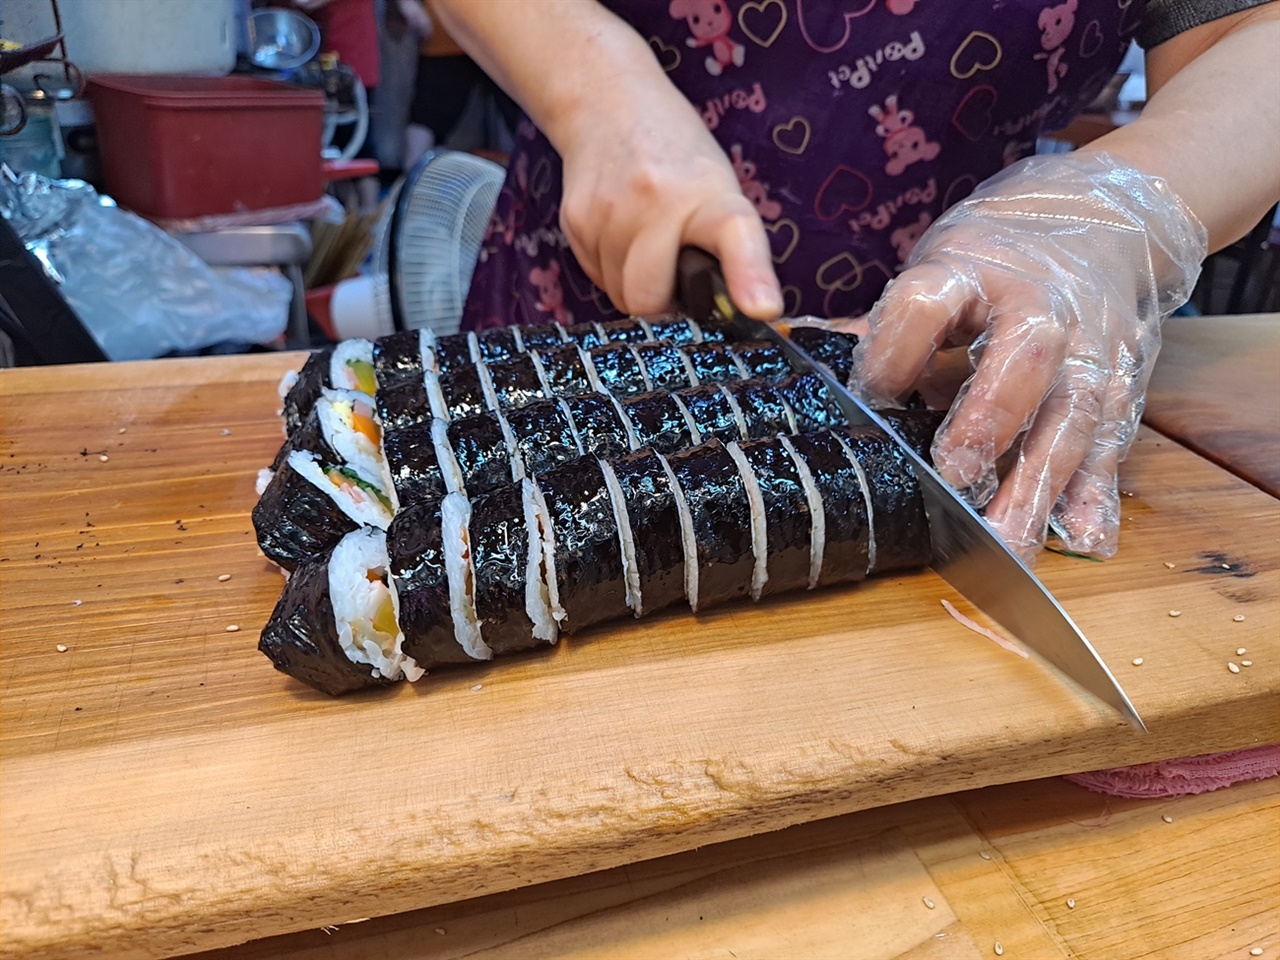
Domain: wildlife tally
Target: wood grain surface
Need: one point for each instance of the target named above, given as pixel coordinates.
(1216, 389)
(1071, 874)
(163, 790)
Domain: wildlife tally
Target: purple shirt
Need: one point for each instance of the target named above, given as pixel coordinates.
(851, 125)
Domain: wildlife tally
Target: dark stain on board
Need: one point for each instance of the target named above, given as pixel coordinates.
(1220, 564)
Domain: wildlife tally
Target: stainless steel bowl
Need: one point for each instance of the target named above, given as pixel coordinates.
(281, 39)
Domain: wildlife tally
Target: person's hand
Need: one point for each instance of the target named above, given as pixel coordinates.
(1058, 273)
(643, 178)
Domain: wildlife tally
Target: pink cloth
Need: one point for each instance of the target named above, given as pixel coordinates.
(1175, 778)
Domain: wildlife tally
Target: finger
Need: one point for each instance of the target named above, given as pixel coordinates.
(913, 318)
(584, 244)
(730, 228)
(1018, 363)
(1059, 440)
(649, 272)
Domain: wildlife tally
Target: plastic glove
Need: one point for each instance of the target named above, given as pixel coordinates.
(1057, 272)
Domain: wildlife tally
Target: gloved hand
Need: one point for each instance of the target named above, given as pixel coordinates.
(1057, 272)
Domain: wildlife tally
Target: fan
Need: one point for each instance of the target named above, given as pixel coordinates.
(425, 249)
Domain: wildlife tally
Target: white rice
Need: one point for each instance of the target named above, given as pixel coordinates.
(573, 427)
(644, 370)
(687, 541)
(537, 596)
(817, 514)
(548, 551)
(348, 351)
(518, 338)
(697, 330)
(541, 371)
(630, 573)
(486, 385)
(694, 380)
(738, 415)
(286, 383)
(335, 410)
(473, 346)
(455, 515)
(792, 425)
(759, 531)
(449, 468)
(264, 480)
(866, 495)
(600, 331)
(633, 442)
(593, 375)
(357, 601)
(743, 372)
(513, 449)
(648, 330)
(435, 395)
(427, 348)
(694, 433)
(365, 510)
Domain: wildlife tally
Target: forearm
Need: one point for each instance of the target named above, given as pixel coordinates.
(562, 60)
(1211, 127)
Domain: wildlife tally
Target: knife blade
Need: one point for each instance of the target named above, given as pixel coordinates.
(967, 552)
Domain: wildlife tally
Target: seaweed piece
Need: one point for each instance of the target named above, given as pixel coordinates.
(301, 636)
(599, 427)
(916, 427)
(763, 409)
(655, 529)
(665, 365)
(847, 534)
(463, 393)
(397, 356)
(713, 362)
(788, 524)
(763, 360)
(626, 330)
(901, 528)
(585, 335)
(657, 421)
(588, 553)
(565, 372)
(309, 436)
(619, 369)
(402, 404)
(516, 381)
(453, 352)
(677, 330)
(811, 402)
(721, 517)
(835, 350)
(302, 396)
(416, 551)
(500, 553)
(480, 447)
(544, 437)
(712, 413)
(541, 336)
(497, 343)
(296, 521)
(411, 460)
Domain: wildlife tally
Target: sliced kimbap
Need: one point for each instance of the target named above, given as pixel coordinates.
(498, 343)
(413, 464)
(397, 356)
(765, 413)
(713, 413)
(455, 351)
(762, 360)
(626, 330)
(677, 330)
(653, 538)
(501, 545)
(786, 515)
(480, 449)
(811, 402)
(828, 347)
(301, 390)
(541, 336)
(516, 381)
(585, 335)
(599, 426)
(462, 393)
(415, 544)
(403, 403)
(842, 553)
(666, 366)
(544, 436)
(565, 370)
(658, 421)
(898, 517)
(619, 370)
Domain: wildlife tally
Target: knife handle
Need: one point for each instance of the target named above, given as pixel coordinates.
(698, 281)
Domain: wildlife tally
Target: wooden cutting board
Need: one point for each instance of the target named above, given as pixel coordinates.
(163, 790)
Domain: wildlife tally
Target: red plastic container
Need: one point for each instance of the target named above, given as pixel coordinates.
(178, 146)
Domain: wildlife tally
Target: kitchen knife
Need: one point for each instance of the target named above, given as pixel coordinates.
(967, 553)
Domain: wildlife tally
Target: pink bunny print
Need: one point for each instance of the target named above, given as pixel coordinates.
(904, 142)
(904, 239)
(709, 22)
(550, 293)
(1056, 24)
(753, 189)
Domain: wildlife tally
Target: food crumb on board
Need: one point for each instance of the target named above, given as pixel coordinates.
(1175, 613)
(224, 577)
(104, 458)
(1166, 818)
(928, 903)
(122, 429)
(1233, 667)
(1071, 903)
(999, 949)
(1246, 663)
(440, 930)
(226, 432)
(1255, 952)
(61, 648)
(1238, 618)
(1137, 661)
(1241, 651)
(939, 936)
(478, 686)
(77, 603)
(233, 628)
(984, 855)
(1169, 565)
(329, 929)
(1225, 566)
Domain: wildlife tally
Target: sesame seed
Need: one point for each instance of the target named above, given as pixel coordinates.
(61, 648)
(226, 432)
(1071, 903)
(1137, 661)
(1255, 952)
(1234, 668)
(224, 577)
(440, 930)
(233, 628)
(104, 458)
(1175, 613)
(929, 903)
(478, 686)
(1238, 618)
(122, 429)
(1246, 663)
(1166, 818)
(999, 948)
(1225, 566)
(984, 855)
(1169, 565)
(1241, 651)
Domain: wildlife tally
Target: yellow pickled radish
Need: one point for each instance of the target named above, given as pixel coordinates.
(362, 370)
(384, 621)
